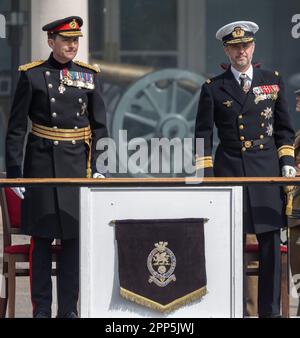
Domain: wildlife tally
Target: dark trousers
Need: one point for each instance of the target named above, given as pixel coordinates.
(269, 278)
(67, 276)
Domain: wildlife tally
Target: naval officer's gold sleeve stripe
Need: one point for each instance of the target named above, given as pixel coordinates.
(286, 150)
(204, 162)
(203, 158)
(204, 165)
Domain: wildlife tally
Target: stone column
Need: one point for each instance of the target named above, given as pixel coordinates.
(192, 35)
(43, 12)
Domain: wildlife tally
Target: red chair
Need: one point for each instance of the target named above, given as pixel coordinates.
(14, 253)
(252, 253)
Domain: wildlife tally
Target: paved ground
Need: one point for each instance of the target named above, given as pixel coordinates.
(23, 303)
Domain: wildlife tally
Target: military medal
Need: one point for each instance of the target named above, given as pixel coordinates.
(79, 80)
(90, 81)
(267, 113)
(269, 129)
(90, 86)
(61, 87)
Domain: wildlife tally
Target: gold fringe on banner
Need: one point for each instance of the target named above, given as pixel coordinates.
(163, 308)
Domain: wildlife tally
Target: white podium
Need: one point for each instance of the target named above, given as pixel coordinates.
(99, 281)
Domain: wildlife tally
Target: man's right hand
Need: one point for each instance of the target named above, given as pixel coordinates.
(19, 191)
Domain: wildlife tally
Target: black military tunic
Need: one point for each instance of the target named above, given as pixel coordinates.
(256, 140)
(53, 212)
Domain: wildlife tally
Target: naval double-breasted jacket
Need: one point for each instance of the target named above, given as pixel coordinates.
(256, 139)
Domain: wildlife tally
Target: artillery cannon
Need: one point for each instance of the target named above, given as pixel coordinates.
(150, 103)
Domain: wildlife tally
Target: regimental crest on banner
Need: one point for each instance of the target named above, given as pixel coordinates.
(161, 263)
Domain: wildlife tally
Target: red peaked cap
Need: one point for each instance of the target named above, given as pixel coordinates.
(69, 26)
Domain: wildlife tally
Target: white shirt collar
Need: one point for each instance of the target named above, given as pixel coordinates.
(237, 74)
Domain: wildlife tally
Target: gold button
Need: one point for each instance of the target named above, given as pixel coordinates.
(73, 142)
(262, 113)
(55, 143)
(241, 127)
(54, 114)
(243, 149)
(261, 137)
(261, 146)
(240, 116)
(262, 124)
(248, 144)
(242, 138)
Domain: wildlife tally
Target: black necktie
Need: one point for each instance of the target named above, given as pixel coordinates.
(243, 78)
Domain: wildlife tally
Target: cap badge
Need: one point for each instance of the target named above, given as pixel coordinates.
(72, 24)
(238, 32)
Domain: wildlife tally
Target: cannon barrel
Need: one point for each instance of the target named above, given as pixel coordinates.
(120, 73)
(123, 74)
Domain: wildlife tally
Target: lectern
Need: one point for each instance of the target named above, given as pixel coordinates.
(99, 279)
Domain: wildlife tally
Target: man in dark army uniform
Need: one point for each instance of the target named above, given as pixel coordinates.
(63, 100)
(249, 108)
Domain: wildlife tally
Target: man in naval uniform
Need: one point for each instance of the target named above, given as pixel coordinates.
(249, 108)
(63, 100)
(294, 221)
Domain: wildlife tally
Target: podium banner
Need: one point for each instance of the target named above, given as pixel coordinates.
(161, 261)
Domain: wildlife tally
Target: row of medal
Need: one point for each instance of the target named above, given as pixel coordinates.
(75, 79)
(266, 92)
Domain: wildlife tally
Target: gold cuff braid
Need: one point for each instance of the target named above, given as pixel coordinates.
(286, 150)
(204, 162)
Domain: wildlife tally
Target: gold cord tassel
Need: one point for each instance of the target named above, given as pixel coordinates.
(88, 142)
(289, 190)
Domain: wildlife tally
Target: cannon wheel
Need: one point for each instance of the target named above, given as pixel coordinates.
(160, 104)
